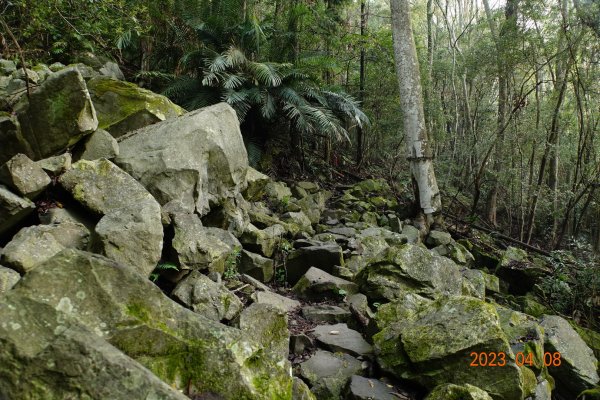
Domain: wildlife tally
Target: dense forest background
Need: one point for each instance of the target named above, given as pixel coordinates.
(511, 91)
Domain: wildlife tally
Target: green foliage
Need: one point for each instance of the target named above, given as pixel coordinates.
(165, 266)
(231, 263)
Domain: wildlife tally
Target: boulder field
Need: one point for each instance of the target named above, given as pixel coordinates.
(142, 258)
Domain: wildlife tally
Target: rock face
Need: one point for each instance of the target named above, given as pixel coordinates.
(409, 268)
(430, 342)
(191, 162)
(578, 367)
(49, 355)
(20, 173)
(57, 115)
(130, 230)
(123, 107)
(179, 346)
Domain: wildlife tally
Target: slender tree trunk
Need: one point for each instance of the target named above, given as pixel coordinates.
(418, 147)
(361, 89)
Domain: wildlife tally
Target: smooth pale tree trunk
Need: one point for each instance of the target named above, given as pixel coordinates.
(418, 148)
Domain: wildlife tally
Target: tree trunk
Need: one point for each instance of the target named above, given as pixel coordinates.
(361, 89)
(418, 148)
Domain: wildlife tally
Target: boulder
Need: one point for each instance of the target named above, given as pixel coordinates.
(300, 391)
(299, 221)
(449, 391)
(198, 248)
(181, 347)
(430, 342)
(57, 114)
(256, 266)
(13, 209)
(327, 373)
(262, 241)
(321, 256)
(207, 298)
(578, 369)
(26, 75)
(36, 244)
(438, 238)
(257, 182)
(409, 268)
(317, 284)
(56, 165)
(24, 176)
(340, 338)
(473, 283)
(130, 230)
(276, 300)
(7, 67)
(123, 107)
(325, 313)
(49, 355)
(191, 162)
(231, 215)
(278, 192)
(112, 70)
(8, 279)
(268, 325)
(520, 273)
(11, 138)
(100, 144)
(361, 388)
(300, 343)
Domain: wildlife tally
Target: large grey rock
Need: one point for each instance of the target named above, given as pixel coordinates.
(100, 144)
(328, 373)
(57, 114)
(198, 247)
(193, 161)
(33, 245)
(256, 184)
(263, 241)
(340, 338)
(268, 326)
(361, 388)
(321, 256)
(112, 70)
(578, 366)
(473, 283)
(207, 298)
(438, 238)
(276, 300)
(49, 355)
(24, 176)
(409, 268)
(130, 230)
(430, 342)
(318, 284)
(519, 272)
(183, 348)
(12, 209)
(325, 313)
(7, 67)
(123, 106)
(11, 137)
(300, 391)
(256, 266)
(56, 165)
(8, 279)
(231, 215)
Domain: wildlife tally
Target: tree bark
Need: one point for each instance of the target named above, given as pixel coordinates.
(418, 147)
(361, 89)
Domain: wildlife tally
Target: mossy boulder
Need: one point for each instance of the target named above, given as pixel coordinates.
(13, 209)
(24, 176)
(47, 354)
(327, 373)
(8, 279)
(263, 241)
(190, 163)
(409, 268)
(431, 343)
(13, 141)
(181, 347)
(123, 107)
(56, 115)
(521, 273)
(450, 391)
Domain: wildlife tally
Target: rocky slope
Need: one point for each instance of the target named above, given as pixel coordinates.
(143, 259)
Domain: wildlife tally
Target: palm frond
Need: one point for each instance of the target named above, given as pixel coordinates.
(265, 73)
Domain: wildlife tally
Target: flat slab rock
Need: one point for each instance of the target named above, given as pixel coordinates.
(361, 388)
(340, 338)
(276, 300)
(325, 313)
